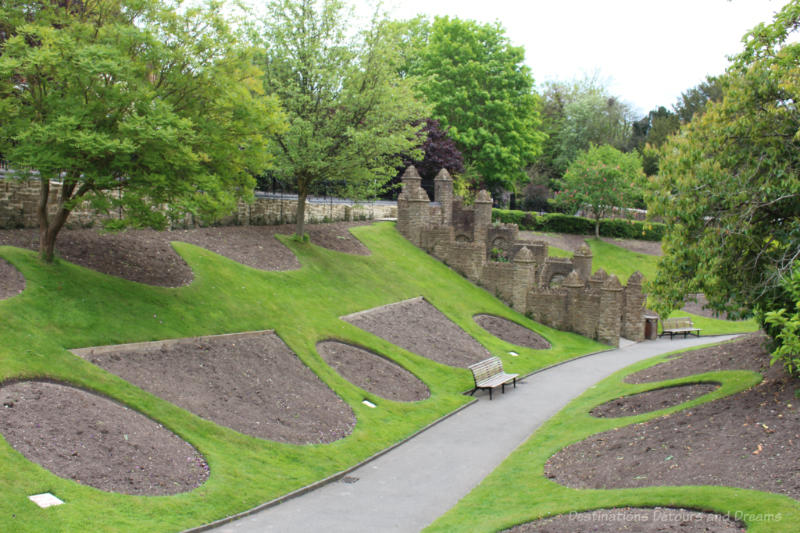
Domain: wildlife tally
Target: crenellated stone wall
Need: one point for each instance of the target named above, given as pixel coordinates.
(19, 200)
(560, 292)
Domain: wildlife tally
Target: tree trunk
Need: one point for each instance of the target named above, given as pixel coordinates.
(300, 227)
(48, 229)
(597, 229)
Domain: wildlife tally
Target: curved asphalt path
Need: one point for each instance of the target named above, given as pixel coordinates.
(410, 486)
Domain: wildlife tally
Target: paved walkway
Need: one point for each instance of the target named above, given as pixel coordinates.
(412, 485)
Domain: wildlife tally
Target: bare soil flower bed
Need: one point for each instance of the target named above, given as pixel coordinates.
(372, 372)
(420, 328)
(652, 400)
(95, 441)
(512, 332)
(146, 256)
(749, 440)
(252, 383)
(628, 519)
(12, 282)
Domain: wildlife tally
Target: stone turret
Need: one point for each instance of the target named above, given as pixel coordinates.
(597, 279)
(443, 193)
(608, 327)
(412, 207)
(483, 215)
(574, 286)
(524, 278)
(582, 261)
(633, 308)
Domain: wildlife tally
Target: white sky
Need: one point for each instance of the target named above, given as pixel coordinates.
(648, 51)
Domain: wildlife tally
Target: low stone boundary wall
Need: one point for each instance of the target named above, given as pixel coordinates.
(19, 200)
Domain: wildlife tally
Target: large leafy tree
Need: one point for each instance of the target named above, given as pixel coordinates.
(350, 113)
(729, 188)
(130, 104)
(483, 95)
(576, 115)
(600, 180)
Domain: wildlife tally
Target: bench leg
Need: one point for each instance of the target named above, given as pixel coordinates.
(472, 392)
(490, 393)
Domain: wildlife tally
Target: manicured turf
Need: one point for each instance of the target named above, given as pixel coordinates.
(518, 492)
(65, 306)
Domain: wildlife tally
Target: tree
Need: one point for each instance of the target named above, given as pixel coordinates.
(350, 113)
(129, 104)
(577, 115)
(728, 189)
(482, 94)
(599, 180)
(693, 102)
(438, 151)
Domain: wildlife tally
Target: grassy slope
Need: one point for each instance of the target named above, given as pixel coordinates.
(65, 306)
(518, 492)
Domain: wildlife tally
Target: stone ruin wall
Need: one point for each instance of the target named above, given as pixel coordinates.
(560, 292)
(19, 201)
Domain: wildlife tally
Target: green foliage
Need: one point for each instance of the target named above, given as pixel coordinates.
(349, 111)
(785, 326)
(728, 188)
(561, 223)
(482, 93)
(600, 180)
(577, 115)
(133, 104)
(693, 102)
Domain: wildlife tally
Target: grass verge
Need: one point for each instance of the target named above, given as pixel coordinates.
(65, 306)
(518, 492)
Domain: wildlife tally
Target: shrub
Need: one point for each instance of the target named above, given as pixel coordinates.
(561, 223)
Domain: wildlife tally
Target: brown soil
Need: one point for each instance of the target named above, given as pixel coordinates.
(95, 441)
(511, 332)
(746, 353)
(419, 327)
(12, 282)
(252, 383)
(372, 372)
(653, 400)
(627, 519)
(570, 242)
(146, 256)
(749, 440)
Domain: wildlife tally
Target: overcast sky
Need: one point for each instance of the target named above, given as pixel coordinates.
(649, 51)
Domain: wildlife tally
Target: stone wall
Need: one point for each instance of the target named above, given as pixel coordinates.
(560, 292)
(19, 200)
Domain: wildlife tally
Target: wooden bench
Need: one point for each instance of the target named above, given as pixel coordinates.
(678, 325)
(489, 374)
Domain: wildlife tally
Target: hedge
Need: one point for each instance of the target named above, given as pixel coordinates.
(561, 223)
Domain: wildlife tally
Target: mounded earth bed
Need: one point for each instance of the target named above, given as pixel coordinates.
(652, 400)
(628, 519)
(252, 383)
(12, 282)
(420, 328)
(511, 332)
(95, 441)
(746, 353)
(749, 440)
(146, 256)
(372, 372)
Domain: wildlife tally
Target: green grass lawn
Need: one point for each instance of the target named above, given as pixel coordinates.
(65, 306)
(518, 492)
